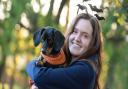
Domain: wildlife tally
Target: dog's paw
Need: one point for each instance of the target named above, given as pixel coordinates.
(39, 63)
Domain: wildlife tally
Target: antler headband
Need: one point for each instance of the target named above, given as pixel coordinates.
(93, 8)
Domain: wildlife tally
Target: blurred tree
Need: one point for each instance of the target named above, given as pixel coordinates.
(60, 10)
(12, 17)
(115, 31)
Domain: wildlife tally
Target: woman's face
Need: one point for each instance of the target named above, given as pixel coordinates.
(80, 38)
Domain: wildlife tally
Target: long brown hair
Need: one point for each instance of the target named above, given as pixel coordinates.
(95, 46)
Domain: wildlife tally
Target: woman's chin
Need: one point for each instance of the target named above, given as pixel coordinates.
(74, 53)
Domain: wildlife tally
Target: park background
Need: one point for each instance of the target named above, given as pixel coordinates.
(20, 18)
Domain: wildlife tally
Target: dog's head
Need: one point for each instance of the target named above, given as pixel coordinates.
(52, 40)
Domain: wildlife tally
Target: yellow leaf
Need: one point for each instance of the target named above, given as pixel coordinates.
(121, 20)
(118, 3)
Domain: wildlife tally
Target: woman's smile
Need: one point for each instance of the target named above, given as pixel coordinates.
(76, 45)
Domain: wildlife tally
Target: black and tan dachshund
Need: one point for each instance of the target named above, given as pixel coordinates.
(52, 41)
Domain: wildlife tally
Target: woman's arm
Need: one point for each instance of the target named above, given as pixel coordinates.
(76, 76)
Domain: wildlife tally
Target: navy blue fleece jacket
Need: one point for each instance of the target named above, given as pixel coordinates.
(78, 75)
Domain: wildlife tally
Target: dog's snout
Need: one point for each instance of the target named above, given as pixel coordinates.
(47, 51)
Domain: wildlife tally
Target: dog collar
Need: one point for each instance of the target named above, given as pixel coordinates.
(56, 59)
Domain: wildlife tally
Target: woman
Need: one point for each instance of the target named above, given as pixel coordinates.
(83, 54)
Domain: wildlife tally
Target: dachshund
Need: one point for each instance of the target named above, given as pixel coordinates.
(52, 41)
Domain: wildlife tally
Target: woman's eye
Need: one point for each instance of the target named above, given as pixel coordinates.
(85, 36)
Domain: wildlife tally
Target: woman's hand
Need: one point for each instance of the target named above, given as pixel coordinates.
(34, 87)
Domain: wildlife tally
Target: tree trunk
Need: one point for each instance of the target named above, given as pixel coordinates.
(48, 18)
(2, 66)
(67, 17)
(12, 79)
(60, 10)
(51, 8)
(110, 74)
(112, 65)
(2, 70)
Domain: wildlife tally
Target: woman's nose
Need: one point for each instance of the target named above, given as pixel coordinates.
(77, 37)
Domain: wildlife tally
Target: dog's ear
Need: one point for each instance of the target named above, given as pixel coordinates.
(37, 36)
(59, 40)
